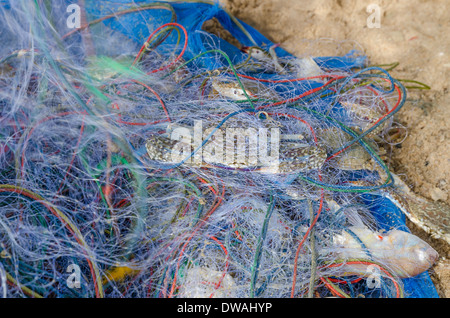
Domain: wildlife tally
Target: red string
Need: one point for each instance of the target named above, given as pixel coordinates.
(289, 80)
(157, 96)
(198, 226)
(177, 58)
(311, 91)
(226, 265)
(52, 210)
(397, 287)
(298, 118)
(37, 124)
(390, 111)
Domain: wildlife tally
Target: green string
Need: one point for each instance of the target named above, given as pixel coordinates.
(259, 245)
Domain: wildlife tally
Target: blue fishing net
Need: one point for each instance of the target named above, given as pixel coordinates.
(147, 253)
(192, 16)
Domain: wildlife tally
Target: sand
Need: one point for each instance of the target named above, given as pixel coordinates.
(411, 32)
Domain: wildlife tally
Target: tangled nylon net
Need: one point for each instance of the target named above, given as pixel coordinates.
(85, 212)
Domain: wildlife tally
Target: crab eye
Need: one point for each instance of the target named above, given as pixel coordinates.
(235, 92)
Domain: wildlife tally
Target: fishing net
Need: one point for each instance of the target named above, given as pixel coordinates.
(142, 156)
